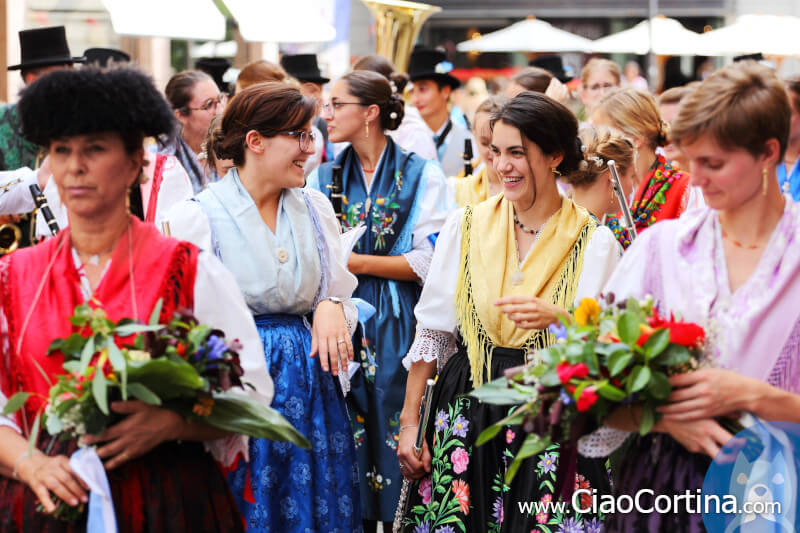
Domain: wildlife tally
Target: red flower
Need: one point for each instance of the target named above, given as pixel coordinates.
(682, 333)
(583, 483)
(587, 399)
(181, 349)
(461, 490)
(567, 371)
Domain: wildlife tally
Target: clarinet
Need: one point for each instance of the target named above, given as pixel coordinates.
(623, 202)
(336, 190)
(467, 155)
(41, 204)
(424, 415)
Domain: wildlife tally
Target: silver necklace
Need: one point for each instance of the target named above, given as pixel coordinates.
(518, 277)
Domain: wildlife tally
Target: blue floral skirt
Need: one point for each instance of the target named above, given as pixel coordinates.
(295, 490)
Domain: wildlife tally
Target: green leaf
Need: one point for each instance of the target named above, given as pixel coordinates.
(675, 355)
(610, 392)
(619, 361)
(132, 329)
(488, 434)
(533, 444)
(53, 425)
(100, 390)
(86, 354)
(156, 314)
(656, 343)
(639, 378)
(659, 386)
(497, 392)
(140, 392)
(15, 403)
(240, 414)
(115, 355)
(648, 419)
(628, 327)
(166, 378)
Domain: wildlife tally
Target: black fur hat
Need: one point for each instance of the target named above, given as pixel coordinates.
(69, 102)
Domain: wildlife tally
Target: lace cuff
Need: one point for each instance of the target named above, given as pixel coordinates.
(419, 259)
(429, 345)
(602, 442)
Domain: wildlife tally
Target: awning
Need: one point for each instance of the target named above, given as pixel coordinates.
(176, 19)
(531, 35)
(750, 34)
(293, 21)
(661, 35)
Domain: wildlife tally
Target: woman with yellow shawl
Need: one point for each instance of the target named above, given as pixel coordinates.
(483, 182)
(502, 272)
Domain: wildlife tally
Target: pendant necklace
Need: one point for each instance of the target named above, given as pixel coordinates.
(518, 277)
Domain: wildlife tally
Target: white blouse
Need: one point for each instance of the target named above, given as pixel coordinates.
(217, 302)
(436, 309)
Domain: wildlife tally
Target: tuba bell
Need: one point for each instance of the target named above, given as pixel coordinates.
(397, 25)
(10, 236)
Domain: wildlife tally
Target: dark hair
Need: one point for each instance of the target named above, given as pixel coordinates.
(268, 108)
(383, 66)
(372, 88)
(533, 79)
(546, 123)
(180, 87)
(69, 102)
(793, 85)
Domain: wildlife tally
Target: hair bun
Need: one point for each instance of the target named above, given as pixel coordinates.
(394, 110)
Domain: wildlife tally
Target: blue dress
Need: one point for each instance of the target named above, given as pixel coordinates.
(282, 275)
(390, 208)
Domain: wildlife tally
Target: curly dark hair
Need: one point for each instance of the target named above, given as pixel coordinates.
(71, 102)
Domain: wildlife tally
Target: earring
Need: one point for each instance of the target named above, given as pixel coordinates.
(366, 127)
(556, 172)
(764, 182)
(128, 201)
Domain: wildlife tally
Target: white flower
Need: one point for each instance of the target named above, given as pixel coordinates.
(138, 355)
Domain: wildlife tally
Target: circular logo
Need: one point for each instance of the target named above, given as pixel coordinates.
(752, 483)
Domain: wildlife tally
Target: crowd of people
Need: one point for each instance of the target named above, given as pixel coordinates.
(336, 229)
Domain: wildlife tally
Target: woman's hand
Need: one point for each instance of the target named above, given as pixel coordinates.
(708, 393)
(144, 428)
(411, 466)
(529, 312)
(557, 91)
(698, 436)
(44, 474)
(330, 337)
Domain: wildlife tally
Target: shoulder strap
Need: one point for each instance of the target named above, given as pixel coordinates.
(440, 139)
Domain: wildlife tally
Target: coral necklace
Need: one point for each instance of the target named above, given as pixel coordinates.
(738, 244)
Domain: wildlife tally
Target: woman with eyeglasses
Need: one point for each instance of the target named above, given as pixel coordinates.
(195, 100)
(598, 76)
(281, 243)
(402, 200)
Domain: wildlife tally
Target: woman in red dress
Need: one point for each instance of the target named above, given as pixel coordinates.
(92, 123)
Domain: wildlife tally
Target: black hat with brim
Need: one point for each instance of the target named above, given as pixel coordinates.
(303, 68)
(431, 64)
(102, 56)
(552, 64)
(44, 47)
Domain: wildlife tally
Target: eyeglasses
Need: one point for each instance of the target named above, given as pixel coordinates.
(221, 99)
(600, 87)
(304, 138)
(331, 107)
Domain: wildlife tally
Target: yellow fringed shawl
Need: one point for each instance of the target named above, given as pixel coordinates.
(473, 189)
(488, 255)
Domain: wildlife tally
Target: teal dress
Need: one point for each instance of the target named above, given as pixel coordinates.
(404, 204)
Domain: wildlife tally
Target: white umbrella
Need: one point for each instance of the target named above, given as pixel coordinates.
(297, 21)
(531, 35)
(177, 19)
(669, 38)
(768, 34)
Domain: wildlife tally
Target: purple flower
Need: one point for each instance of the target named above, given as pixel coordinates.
(570, 525)
(498, 510)
(216, 348)
(423, 528)
(442, 421)
(566, 399)
(548, 462)
(593, 526)
(559, 330)
(446, 529)
(460, 427)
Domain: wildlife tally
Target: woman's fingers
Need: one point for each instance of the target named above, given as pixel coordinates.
(314, 344)
(322, 350)
(72, 490)
(43, 494)
(682, 408)
(333, 355)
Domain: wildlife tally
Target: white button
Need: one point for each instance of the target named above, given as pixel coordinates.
(283, 255)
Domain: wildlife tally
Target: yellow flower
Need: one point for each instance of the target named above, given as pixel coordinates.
(138, 355)
(380, 201)
(588, 312)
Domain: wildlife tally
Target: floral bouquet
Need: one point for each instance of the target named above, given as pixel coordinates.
(607, 356)
(182, 366)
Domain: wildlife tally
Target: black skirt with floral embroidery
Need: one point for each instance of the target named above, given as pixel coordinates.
(465, 491)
